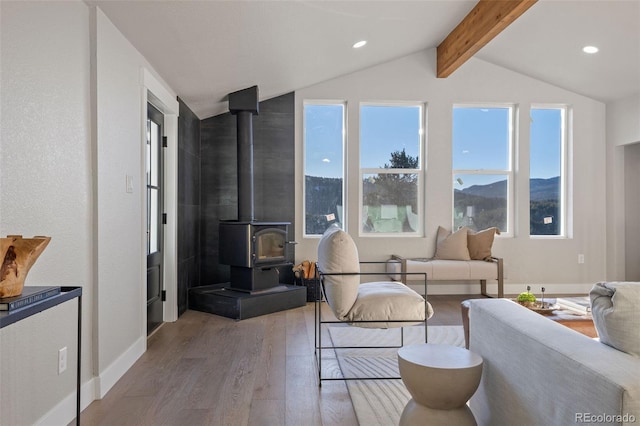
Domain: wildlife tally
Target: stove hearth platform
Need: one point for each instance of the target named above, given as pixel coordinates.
(220, 299)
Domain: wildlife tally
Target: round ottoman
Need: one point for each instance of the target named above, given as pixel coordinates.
(441, 379)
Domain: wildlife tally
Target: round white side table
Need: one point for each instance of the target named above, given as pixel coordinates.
(441, 379)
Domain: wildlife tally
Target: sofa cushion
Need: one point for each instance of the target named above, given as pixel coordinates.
(337, 253)
(480, 243)
(452, 246)
(615, 307)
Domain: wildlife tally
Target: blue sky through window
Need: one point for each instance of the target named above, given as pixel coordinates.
(546, 142)
(324, 151)
(480, 139)
(386, 129)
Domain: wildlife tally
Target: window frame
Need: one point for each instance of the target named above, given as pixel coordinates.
(565, 125)
(325, 102)
(421, 171)
(509, 173)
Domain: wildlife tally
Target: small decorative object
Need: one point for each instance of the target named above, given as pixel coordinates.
(18, 256)
(526, 298)
(306, 273)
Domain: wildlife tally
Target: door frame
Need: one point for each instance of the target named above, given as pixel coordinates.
(154, 92)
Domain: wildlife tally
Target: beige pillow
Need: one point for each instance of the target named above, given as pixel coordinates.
(614, 307)
(452, 246)
(479, 243)
(337, 253)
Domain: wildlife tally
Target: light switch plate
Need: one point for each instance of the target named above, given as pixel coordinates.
(62, 360)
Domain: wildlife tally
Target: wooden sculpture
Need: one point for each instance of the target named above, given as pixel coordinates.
(18, 256)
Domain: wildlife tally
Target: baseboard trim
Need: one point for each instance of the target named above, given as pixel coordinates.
(110, 375)
(65, 411)
(443, 288)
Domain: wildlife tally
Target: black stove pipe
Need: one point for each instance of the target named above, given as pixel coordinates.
(244, 104)
(245, 166)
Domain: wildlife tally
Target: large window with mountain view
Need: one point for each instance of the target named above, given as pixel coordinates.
(391, 175)
(323, 166)
(546, 165)
(482, 166)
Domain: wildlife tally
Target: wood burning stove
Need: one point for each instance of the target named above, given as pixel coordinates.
(249, 244)
(253, 250)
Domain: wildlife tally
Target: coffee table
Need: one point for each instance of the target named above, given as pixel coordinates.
(571, 319)
(580, 323)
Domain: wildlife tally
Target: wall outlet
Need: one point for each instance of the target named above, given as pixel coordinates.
(62, 360)
(580, 259)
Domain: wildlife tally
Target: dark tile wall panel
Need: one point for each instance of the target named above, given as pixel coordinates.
(274, 185)
(218, 193)
(188, 204)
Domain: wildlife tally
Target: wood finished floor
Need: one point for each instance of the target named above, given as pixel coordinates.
(209, 370)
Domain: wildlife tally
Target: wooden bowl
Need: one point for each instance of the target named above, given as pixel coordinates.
(18, 256)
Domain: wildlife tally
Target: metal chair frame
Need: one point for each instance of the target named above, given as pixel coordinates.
(320, 291)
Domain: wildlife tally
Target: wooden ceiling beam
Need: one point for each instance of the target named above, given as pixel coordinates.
(485, 21)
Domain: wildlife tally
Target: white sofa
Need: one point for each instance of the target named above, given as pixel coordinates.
(538, 372)
(449, 270)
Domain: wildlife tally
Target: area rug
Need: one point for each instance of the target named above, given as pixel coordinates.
(380, 402)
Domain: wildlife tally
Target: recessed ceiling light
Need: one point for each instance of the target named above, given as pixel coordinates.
(359, 44)
(590, 49)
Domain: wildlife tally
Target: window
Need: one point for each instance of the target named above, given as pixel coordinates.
(390, 169)
(323, 166)
(546, 179)
(482, 173)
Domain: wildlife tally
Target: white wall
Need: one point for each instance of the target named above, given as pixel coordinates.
(632, 205)
(119, 226)
(623, 121)
(45, 173)
(549, 262)
(73, 104)
(120, 216)
(623, 129)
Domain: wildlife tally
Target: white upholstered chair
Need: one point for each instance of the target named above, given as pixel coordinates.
(379, 304)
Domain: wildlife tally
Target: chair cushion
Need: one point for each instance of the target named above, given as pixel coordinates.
(337, 253)
(387, 300)
(614, 307)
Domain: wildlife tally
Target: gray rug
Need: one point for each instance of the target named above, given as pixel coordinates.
(380, 402)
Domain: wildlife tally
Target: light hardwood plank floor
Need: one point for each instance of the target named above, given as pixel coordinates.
(209, 370)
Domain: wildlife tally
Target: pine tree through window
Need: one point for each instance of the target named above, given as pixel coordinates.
(391, 141)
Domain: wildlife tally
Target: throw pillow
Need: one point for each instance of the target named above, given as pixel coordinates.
(480, 243)
(614, 307)
(452, 246)
(337, 253)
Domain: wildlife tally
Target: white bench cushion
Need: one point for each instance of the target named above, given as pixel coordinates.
(446, 270)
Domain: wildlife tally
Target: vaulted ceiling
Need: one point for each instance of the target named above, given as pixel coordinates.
(206, 49)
